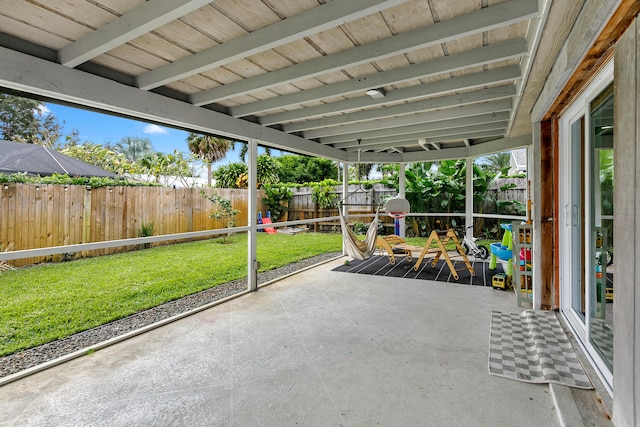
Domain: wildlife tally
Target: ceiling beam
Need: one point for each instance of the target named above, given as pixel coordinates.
(472, 131)
(500, 145)
(447, 64)
(370, 157)
(50, 80)
(476, 22)
(466, 82)
(496, 146)
(421, 130)
(343, 133)
(144, 18)
(309, 22)
(457, 99)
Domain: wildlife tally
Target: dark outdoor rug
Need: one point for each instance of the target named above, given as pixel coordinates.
(379, 265)
(532, 346)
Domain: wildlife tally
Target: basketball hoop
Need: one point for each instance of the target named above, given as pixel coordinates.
(397, 215)
(397, 208)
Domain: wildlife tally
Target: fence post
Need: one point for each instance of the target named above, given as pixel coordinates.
(86, 218)
(315, 215)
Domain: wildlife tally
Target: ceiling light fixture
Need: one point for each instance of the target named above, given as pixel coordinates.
(376, 93)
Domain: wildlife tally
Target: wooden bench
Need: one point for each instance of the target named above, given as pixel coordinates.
(394, 245)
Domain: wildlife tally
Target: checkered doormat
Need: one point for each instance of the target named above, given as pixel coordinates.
(532, 346)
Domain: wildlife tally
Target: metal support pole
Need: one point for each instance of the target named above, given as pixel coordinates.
(401, 194)
(252, 261)
(468, 198)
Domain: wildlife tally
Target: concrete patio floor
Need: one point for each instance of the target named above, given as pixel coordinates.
(319, 348)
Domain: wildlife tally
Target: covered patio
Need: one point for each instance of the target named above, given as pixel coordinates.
(379, 81)
(319, 348)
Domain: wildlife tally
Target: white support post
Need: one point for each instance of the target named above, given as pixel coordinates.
(534, 192)
(345, 191)
(401, 193)
(468, 199)
(252, 261)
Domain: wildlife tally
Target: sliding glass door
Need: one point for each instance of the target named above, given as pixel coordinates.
(586, 241)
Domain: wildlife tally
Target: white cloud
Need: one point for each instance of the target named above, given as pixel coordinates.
(42, 110)
(155, 130)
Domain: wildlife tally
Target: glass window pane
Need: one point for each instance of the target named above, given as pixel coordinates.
(601, 227)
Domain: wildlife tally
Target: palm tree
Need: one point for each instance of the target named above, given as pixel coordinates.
(499, 162)
(244, 148)
(208, 148)
(134, 148)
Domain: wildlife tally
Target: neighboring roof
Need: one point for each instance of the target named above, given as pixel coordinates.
(291, 74)
(519, 159)
(35, 159)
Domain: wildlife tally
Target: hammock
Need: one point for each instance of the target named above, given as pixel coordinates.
(354, 247)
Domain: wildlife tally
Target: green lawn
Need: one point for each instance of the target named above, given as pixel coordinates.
(52, 301)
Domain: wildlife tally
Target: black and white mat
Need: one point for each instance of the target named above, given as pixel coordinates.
(532, 346)
(379, 265)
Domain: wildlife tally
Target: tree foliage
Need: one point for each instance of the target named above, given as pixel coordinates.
(222, 211)
(134, 148)
(303, 169)
(360, 171)
(58, 179)
(235, 175)
(497, 163)
(226, 176)
(244, 149)
(158, 165)
(208, 148)
(277, 198)
(441, 187)
(101, 157)
(25, 120)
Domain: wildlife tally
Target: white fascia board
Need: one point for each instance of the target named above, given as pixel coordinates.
(33, 75)
(310, 22)
(447, 64)
(507, 74)
(486, 19)
(144, 18)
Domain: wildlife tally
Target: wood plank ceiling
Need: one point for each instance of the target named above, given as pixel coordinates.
(449, 73)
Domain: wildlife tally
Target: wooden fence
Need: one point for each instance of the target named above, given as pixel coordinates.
(302, 205)
(517, 193)
(37, 216)
(361, 201)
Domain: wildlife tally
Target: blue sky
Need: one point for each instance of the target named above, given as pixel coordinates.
(105, 129)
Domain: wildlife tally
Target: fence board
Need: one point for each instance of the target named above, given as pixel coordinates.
(34, 216)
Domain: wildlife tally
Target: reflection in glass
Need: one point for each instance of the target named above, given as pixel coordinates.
(578, 291)
(601, 227)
